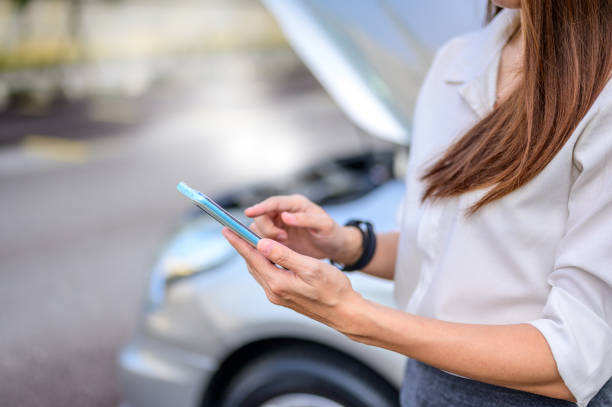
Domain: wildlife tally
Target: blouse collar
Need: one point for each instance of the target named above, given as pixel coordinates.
(477, 63)
(481, 50)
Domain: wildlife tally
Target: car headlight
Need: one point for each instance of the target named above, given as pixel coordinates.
(199, 246)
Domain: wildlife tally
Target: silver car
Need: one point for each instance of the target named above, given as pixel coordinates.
(208, 336)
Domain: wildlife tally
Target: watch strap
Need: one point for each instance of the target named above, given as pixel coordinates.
(368, 243)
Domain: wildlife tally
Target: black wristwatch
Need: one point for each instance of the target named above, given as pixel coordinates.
(369, 246)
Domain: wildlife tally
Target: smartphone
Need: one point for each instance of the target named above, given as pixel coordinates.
(218, 213)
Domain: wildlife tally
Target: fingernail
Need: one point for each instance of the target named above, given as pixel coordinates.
(281, 236)
(289, 217)
(265, 246)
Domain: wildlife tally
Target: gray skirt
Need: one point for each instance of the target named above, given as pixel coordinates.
(426, 386)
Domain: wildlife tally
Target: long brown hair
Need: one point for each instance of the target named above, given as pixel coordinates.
(567, 62)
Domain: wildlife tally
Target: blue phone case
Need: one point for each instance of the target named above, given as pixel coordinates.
(218, 213)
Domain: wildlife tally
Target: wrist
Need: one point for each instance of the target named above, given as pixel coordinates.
(349, 316)
(352, 246)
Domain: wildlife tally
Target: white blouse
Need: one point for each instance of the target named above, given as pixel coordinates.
(542, 254)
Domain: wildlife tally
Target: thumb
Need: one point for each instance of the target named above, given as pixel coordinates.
(284, 256)
(319, 223)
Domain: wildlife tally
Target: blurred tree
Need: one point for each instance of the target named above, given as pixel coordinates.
(21, 3)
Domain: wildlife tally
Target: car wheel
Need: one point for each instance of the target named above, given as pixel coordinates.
(308, 377)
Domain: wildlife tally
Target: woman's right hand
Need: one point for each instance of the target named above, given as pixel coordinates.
(306, 228)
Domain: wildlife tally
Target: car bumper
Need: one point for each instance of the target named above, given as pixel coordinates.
(154, 374)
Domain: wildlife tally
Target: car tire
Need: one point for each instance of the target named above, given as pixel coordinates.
(309, 376)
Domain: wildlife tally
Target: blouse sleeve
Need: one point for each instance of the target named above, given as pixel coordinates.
(577, 318)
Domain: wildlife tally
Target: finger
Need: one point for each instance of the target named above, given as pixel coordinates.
(284, 256)
(258, 278)
(261, 266)
(268, 229)
(279, 203)
(274, 282)
(312, 221)
(253, 226)
(272, 296)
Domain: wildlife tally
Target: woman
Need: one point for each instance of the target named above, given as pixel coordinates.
(503, 267)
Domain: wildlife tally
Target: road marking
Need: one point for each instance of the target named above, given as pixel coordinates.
(56, 149)
(113, 111)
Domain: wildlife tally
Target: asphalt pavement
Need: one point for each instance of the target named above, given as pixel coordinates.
(87, 196)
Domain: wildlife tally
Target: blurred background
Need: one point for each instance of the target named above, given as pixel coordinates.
(104, 106)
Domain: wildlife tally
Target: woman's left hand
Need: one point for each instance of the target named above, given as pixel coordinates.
(308, 286)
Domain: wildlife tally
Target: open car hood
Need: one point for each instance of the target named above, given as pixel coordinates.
(371, 56)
